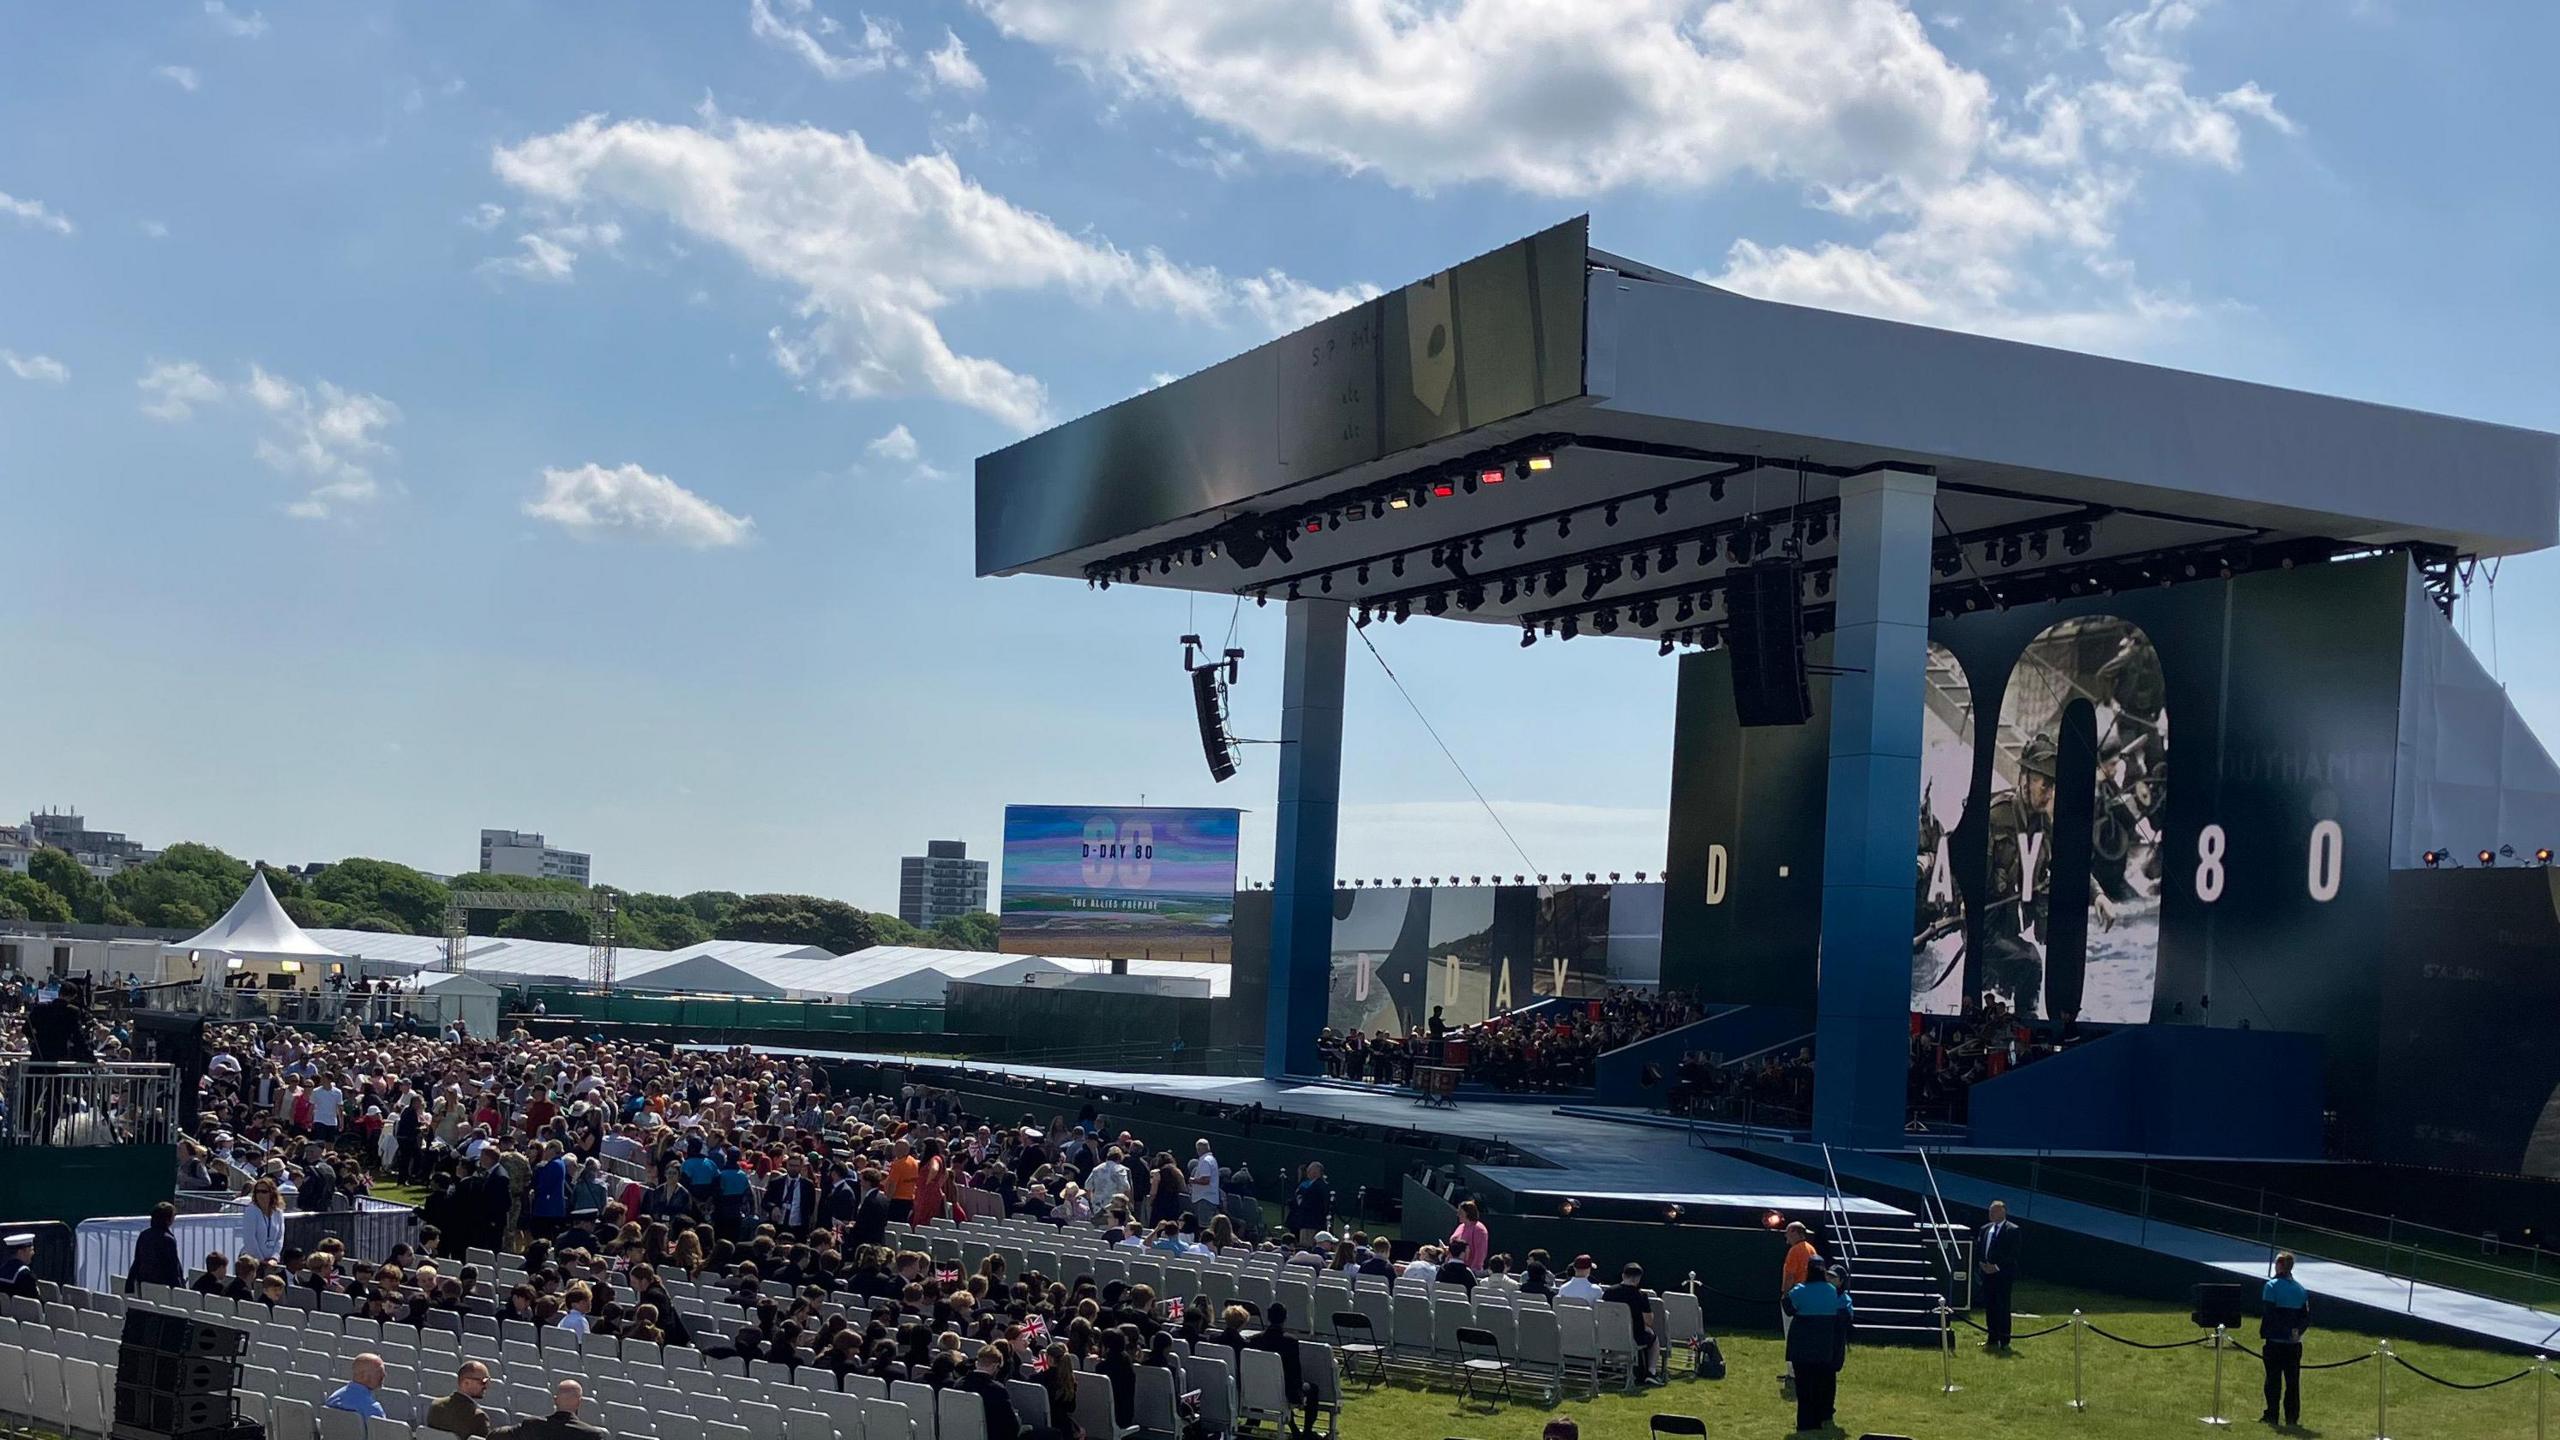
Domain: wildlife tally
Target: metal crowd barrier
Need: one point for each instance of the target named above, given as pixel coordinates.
(88, 1105)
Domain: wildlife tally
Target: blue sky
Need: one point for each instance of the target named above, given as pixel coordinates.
(415, 418)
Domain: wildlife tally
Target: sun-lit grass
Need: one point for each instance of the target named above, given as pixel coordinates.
(1892, 1390)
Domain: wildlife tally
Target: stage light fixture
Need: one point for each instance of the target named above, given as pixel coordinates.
(1818, 529)
(1737, 548)
(1636, 562)
(1639, 877)
(1715, 488)
(2542, 856)
(1564, 527)
(1572, 627)
(1333, 520)
(1592, 580)
(2036, 544)
(1399, 501)
(1467, 482)
(1821, 582)
(1164, 566)
(1490, 475)
(1668, 559)
(2488, 858)
(1519, 537)
(1540, 462)
(1528, 636)
(1666, 646)
(2076, 538)
(1606, 621)
(1471, 597)
(1772, 1220)
(1661, 502)
(1404, 611)
(1672, 1215)
(1555, 581)
(1326, 584)
(1443, 489)
(1361, 620)
(2009, 550)
(1439, 557)
(1475, 548)
(1106, 582)
(1990, 552)
(1395, 567)
(1198, 555)
(1590, 878)
(1568, 1207)
(1437, 602)
(1646, 613)
(1759, 539)
(1260, 597)
(1948, 560)
(1510, 590)
(1377, 509)
(1293, 589)
(1688, 607)
(1315, 525)
(1362, 575)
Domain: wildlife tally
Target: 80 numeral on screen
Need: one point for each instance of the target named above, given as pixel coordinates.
(2324, 861)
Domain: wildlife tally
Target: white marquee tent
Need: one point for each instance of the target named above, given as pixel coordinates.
(256, 927)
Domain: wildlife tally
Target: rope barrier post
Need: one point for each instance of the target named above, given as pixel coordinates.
(2078, 1401)
(2217, 1417)
(2540, 1367)
(2382, 1392)
(1946, 1348)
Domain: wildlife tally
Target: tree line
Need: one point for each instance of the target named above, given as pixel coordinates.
(190, 885)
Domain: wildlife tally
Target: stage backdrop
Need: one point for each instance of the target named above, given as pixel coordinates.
(2170, 805)
(1137, 884)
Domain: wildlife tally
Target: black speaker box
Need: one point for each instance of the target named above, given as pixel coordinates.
(1765, 631)
(2223, 1305)
(176, 1374)
(1209, 706)
(179, 1335)
(174, 1415)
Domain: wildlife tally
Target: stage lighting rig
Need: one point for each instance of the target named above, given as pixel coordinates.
(2542, 856)
(2488, 858)
(2076, 537)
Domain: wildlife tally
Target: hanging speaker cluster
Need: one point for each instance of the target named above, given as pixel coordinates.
(1765, 631)
(1210, 678)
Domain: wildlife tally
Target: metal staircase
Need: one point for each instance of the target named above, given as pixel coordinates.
(1899, 1266)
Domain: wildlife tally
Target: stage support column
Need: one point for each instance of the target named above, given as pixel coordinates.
(1310, 814)
(1872, 814)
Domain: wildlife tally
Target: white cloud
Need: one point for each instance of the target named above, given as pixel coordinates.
(899, 444)
(182, 76)
(1554, 99)
(551, 254)
(487, 217)
(628, 503)
(951, 66)
(799, 27)
(155, 229)
(234, 24)
(1959, 206)
(34, 212)
(42, 368)
(875, 248)
(171, 390)
(322, 433)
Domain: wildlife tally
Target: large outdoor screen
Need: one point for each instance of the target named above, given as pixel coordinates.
(1118, 883)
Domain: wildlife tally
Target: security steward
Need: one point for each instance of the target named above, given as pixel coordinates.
(2284, 1313)
(1818, 1344)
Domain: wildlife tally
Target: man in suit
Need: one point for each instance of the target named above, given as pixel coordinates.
(1995, 1259)
(790, 1201)
(459, 1413)
(986, 1381)
(562, 1423)
(871, 1213)
(1275, 1337)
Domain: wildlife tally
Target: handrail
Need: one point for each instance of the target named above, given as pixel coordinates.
(1838, 1207)
(1940, 1220)
(1795, 1042)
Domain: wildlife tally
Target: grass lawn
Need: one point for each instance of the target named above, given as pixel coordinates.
(399, 1194)
(2133, 1394)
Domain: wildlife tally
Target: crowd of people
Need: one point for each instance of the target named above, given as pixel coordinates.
(611, 1166)
(1549, 1048)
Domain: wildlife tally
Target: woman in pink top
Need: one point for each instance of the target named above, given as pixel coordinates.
(1471, 1242)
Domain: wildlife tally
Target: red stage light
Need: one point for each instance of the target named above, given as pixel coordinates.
(1492, 476)
(1772, 1220)
(1443, 489)
(1315, 527)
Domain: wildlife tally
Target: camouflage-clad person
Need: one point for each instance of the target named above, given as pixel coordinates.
(2013, 926)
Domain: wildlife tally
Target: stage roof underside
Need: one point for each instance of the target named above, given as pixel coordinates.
(1690, 423)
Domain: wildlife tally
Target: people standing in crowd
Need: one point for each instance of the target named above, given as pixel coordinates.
(1310, 1207)
(1470, 1244)
(1794, 1270)
(262, 1222)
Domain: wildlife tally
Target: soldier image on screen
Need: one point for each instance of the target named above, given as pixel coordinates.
(2021, 826)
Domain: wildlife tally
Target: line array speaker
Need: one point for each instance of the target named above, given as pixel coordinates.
(1766, 634)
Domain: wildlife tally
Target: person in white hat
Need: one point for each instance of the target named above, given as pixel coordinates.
(17, 1264)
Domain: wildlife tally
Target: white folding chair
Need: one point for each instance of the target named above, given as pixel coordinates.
(960, 1414)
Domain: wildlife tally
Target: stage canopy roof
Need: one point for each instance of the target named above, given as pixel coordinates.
(256, 925)
(1536, 432)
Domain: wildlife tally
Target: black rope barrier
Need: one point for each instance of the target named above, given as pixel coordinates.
(2244, 1349)
(1969, 1323)
(2143, 1345)
(2455, 1384)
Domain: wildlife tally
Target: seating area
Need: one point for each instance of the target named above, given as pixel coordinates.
(58, 1354)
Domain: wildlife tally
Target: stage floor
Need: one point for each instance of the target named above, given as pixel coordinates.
(1593, 1159)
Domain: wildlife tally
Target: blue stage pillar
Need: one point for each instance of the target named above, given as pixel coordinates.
(1872, 815)
(1310, 813)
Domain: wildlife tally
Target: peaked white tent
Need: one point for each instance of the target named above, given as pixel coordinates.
(256, 927)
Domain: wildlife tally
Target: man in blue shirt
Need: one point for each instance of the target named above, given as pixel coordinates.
(2284, 1313)
(1818, 1344)
(364, 1377)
